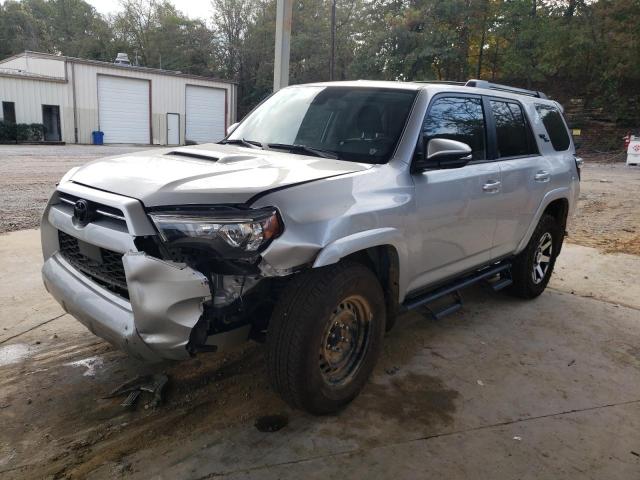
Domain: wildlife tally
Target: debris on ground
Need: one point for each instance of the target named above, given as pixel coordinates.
(392, 371)
(153, 384)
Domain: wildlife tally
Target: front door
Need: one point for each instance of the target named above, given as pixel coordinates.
(51, 122)
(455, 207)
(173, 129)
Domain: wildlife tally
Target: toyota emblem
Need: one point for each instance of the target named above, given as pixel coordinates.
(81, 212)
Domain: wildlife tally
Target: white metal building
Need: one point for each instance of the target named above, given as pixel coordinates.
(73, 97)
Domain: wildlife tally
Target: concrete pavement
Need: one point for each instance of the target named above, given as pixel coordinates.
(502, 389)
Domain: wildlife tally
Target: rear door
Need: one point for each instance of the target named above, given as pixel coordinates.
(456, 208)
(525, 174)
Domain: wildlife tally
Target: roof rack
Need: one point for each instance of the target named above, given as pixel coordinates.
(504, 88)
(441, 82)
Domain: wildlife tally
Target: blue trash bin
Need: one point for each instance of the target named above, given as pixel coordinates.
(98, 137)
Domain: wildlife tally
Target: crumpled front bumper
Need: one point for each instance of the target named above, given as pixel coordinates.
(166, 301)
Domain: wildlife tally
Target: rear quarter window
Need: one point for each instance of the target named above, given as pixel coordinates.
(556, 129)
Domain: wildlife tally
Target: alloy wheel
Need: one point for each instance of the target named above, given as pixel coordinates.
(542, 258)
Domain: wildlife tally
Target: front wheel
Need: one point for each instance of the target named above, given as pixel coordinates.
(325, 336)
(532, 268)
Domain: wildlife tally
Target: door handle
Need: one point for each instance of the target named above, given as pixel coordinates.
(542, 176)
(492, 186)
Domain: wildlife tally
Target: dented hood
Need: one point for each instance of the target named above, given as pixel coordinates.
(205, 174)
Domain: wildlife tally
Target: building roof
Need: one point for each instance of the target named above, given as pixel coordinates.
(98, 63)
(14, 72)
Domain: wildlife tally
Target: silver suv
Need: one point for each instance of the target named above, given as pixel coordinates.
(330, 209)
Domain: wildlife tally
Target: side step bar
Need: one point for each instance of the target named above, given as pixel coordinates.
(502, 269)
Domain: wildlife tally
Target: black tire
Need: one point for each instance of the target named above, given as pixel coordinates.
(303, 317)
(524, 279)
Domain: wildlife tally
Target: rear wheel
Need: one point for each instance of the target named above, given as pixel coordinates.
(532, 268)
(325, 336)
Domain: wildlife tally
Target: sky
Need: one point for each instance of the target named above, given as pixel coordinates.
(192, 8)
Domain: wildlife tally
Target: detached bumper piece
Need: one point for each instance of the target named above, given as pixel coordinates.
(153, 384)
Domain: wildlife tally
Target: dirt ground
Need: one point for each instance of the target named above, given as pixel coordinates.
(608, 215)
(502, 389)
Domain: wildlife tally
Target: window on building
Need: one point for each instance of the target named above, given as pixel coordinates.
(9, 112)
(457, 118)
(556, 129)
(513, 134)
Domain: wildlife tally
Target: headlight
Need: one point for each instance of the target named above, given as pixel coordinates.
(243, 231)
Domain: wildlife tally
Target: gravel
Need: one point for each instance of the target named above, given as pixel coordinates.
(29, 173)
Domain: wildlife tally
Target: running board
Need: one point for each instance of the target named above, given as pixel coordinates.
(454, 306)
(503, 269)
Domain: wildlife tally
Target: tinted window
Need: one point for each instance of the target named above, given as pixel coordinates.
(457, 118)
(513, 134)
(554, 125)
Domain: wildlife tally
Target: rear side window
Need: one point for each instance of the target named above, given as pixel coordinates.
(457, 118)
(552, 121)
(513, 134)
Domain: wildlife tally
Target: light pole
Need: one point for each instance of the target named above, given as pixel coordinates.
(332, 61)
(283, 44)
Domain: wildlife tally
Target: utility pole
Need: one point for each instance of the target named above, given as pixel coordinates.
(332, 61)
(283, 44)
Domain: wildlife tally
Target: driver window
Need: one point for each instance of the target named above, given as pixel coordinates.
(457, 118)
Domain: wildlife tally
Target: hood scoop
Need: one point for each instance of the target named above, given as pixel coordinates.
(199, 154)
(257, 161)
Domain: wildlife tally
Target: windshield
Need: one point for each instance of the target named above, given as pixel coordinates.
(350, 123)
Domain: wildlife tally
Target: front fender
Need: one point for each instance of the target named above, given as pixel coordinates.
(342, 247)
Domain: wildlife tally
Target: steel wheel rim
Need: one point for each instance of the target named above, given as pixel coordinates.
(542, 258)
(345, 340)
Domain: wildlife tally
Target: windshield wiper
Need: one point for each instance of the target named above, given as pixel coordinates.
(243, 141)
(316, 152)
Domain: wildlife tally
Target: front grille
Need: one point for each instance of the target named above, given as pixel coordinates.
(107, 270)
(100, 210)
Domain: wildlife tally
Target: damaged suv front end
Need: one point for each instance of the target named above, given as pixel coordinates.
(145, 305)
(164, 281)
(161, 284)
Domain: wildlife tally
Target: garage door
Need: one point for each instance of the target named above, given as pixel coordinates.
(205, 114)
(123, 106)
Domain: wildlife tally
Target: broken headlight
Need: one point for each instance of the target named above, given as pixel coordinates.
(226, 231)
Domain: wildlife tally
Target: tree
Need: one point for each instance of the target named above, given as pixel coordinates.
(564, 47)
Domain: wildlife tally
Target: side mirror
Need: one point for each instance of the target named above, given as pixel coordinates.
(232, 127)
(443, 153)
